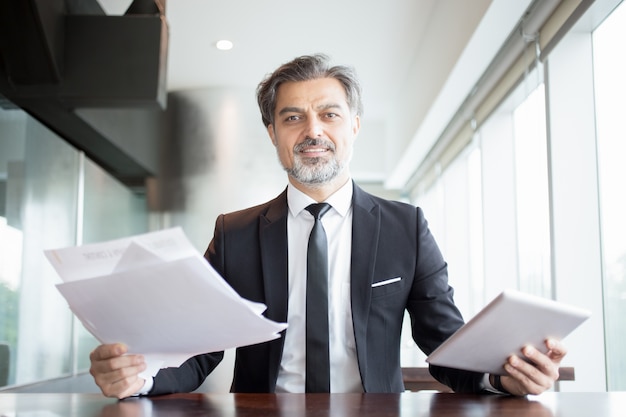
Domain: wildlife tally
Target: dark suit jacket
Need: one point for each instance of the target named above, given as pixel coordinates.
(389, 239)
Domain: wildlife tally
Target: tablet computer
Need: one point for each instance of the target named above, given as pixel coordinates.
(511, 321)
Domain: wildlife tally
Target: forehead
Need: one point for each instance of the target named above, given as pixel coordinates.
(311, 92)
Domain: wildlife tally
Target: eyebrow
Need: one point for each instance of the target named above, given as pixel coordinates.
(293, 109)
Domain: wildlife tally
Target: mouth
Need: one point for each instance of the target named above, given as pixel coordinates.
(313, 148)
(313, 152)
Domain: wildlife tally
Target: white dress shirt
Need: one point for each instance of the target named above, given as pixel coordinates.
(337, 222)
(344, 369)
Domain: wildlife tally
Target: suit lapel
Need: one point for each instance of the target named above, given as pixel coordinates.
(365, 233)
(273, 240)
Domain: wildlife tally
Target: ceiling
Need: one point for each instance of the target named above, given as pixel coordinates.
(379, 38)
(404, 51)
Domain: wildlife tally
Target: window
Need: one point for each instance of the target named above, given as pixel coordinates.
(515, 193)
(531, 185)
(610, 90)
(553, 174)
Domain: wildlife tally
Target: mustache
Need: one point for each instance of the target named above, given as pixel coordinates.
(314, 142)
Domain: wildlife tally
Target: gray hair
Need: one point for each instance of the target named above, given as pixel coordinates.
(305, 68)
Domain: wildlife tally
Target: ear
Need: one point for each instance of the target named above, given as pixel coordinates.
(356, 125)
(272, 133)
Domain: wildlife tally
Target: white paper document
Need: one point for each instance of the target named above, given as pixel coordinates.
(158, 295)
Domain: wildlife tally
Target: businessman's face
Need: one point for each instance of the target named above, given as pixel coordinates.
(314, 131)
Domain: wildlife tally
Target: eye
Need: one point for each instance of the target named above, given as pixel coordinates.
(292, 118)
(331, 115)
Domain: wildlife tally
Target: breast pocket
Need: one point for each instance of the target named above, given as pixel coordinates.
(387, 286)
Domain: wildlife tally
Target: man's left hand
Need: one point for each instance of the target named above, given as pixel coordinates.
(537, 373)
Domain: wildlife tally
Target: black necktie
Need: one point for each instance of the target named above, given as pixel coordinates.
(317, 356)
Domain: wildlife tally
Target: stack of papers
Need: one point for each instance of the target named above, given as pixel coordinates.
(156, 294)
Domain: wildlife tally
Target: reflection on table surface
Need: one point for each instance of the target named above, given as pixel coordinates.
(303, 405)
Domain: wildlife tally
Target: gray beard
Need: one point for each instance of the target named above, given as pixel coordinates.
(314, 171)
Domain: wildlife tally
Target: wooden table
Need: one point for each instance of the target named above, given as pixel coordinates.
(420, 404)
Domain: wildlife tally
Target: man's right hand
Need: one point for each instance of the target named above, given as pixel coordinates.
(116, 373)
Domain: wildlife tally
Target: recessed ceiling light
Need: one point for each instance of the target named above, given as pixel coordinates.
(224, 45)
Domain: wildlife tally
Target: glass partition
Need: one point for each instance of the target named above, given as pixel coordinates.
(50, 196)
(110, 211)
(40, 176)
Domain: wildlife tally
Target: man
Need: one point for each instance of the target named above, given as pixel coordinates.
(382, 261)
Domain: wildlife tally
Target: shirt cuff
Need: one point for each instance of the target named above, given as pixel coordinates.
(490, 388)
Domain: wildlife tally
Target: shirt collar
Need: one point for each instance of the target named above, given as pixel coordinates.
(340, 200)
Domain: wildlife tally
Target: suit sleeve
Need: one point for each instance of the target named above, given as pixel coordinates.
(187, 377)
(434, 315)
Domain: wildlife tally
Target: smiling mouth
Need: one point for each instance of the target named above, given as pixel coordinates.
(312, 148)
(314, 151)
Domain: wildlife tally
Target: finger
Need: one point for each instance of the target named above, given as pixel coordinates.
(121, 382)
(103, 352)
(120, 367)
(132, 389)
(123, 388)
(518, 383)
(556, 350)
(117, 362)
(542, 362)
(532, 378)
(525, 379)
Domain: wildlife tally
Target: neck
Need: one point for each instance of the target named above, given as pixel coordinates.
(321, 192)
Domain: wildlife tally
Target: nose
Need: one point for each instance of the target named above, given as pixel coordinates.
(314, 128)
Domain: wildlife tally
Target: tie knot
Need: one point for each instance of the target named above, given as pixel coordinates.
(318, 209)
